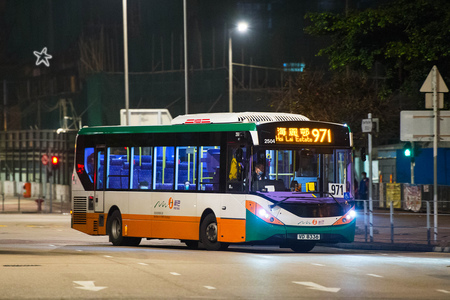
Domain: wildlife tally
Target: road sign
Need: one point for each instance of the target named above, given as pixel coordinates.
(427, 87)
(44, 159)
(366, 125)
(429, 100)
(417, 125)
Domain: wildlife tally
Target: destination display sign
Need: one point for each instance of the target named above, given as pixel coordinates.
(304, 133)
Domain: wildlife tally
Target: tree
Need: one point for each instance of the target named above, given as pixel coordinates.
(407, 37)
(341, 99)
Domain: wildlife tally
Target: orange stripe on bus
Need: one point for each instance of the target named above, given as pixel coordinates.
(165, 227)
(231, 230)
(162, 226)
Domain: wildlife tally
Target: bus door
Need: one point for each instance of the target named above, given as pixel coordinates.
(99, 186)
(237, 170)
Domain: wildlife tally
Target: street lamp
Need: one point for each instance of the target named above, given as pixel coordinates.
(242, 27)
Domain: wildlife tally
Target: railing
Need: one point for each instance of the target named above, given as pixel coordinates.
(389, 225)
(19, 204)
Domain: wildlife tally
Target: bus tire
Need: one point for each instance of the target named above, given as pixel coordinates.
(303, 247)
(115, 232)
(209, 234)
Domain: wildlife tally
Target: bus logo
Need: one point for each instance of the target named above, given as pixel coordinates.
(170, 202)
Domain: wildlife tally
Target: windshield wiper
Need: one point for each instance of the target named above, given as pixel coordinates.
(306, 193)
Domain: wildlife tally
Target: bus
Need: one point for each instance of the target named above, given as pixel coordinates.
(195, 181)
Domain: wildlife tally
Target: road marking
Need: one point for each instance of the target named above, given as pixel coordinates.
(3, 226)
(89, 286)
(52, 245)
(375, 275)
(174, 273)
(107, 256)
(79, 250)
(320, 265)
(143, 264)
(315, 286)
(444, 291)
(209, 287)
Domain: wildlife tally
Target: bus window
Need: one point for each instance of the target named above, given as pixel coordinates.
(89, 163)
(185, 168)
(100, 169)
(118, 168)
(209, 168)
(164, 168)
(141, 173)
(236, 169)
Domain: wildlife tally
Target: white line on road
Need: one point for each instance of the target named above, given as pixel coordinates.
(143, 264)
(375, 275)
(79, 250)
(209, 287)
(315, 286)
(320, 265)
(444, 291)
(107, 256)
(174, 273)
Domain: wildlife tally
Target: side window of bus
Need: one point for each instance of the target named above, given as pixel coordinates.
(164, 171)
(118, 168)
(185, 168)
(236, 169)
(209, 168)
(100, 169)
(89, 163)
(141, 173)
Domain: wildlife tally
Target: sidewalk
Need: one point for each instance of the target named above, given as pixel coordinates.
(410, 231)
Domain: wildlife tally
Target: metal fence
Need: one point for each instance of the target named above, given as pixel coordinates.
(21, 154)
(20, 204)
(390, 225)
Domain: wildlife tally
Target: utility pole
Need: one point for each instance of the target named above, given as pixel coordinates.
(369, 116)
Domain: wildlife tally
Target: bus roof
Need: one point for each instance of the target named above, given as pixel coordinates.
(167, 128)
(238, 117)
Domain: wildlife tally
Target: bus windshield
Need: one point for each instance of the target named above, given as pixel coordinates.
(303, 170)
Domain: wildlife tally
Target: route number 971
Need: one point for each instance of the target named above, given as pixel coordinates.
(336, 189)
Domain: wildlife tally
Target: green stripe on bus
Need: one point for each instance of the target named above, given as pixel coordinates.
(168, 128)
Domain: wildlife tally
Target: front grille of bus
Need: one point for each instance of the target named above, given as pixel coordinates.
(315, 210)
(79, 210)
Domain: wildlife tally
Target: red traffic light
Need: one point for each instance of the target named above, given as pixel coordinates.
(55, 160)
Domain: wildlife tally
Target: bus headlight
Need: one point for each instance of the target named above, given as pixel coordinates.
(347, 218)
(261, 213)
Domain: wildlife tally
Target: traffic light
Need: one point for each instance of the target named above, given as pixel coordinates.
(408, 150)
(363, 153)
(55, 162)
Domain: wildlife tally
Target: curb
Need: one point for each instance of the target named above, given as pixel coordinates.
(389, 247)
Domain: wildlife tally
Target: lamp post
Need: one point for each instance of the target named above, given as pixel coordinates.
(242, 27)
(125, 56)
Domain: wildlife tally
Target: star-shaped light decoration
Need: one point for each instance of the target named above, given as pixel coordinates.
(42, 57)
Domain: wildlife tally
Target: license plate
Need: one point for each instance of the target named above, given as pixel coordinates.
(308, 236)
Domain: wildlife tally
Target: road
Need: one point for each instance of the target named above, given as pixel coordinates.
(41, 257)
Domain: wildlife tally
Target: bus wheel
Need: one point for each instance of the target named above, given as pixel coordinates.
(115, 232)
(303, 247)
(209, 233)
